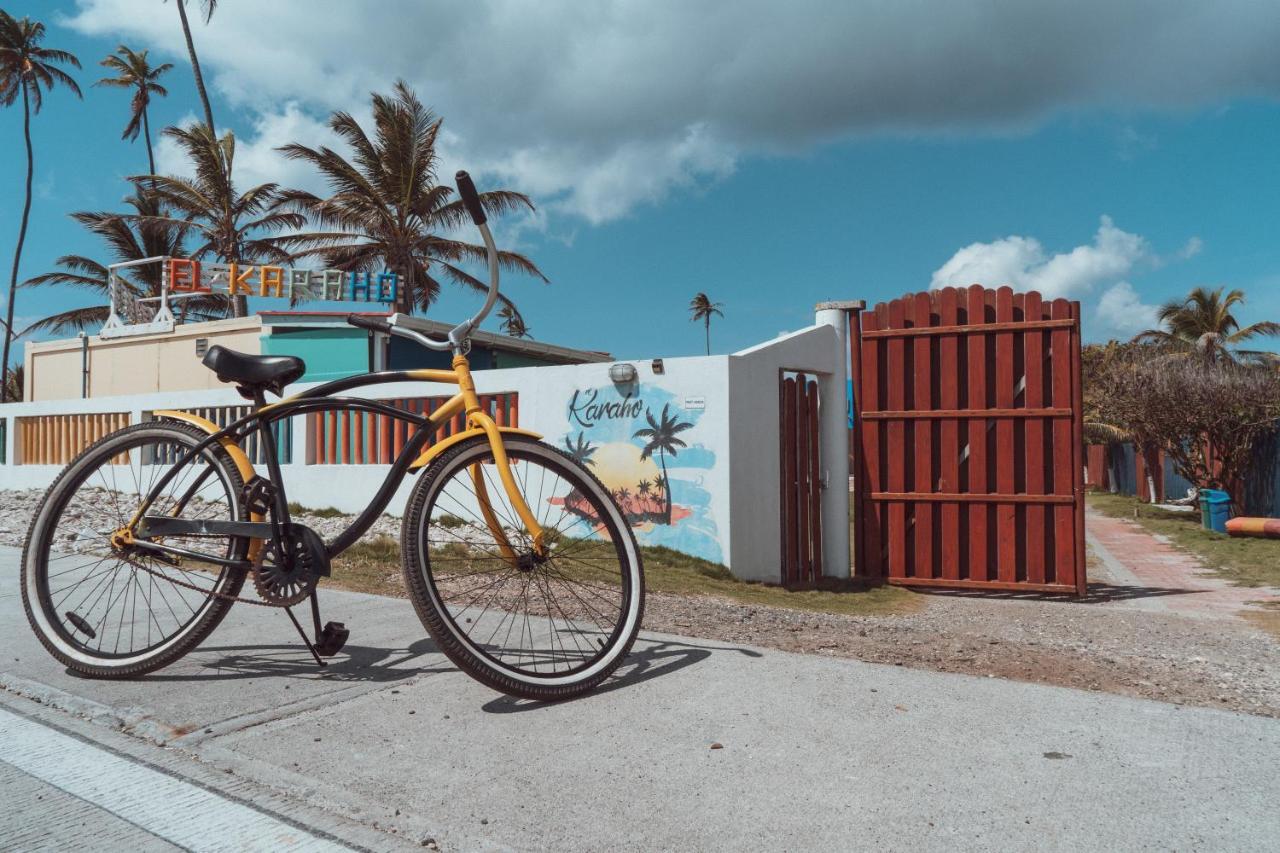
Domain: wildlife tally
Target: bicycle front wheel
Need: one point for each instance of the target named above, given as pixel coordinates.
(539, 627)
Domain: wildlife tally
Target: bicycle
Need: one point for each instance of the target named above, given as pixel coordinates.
(147, 537)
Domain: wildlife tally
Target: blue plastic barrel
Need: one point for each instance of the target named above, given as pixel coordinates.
(1215, 509)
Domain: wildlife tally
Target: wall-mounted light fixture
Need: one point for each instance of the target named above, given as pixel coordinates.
(622, 373)
(657, 367)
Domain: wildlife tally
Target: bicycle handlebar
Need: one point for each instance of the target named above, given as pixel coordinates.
(458, 334)
(373, 324)
(470, 197)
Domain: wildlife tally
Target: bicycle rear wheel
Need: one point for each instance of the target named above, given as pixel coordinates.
(537, 627)
(111, 611)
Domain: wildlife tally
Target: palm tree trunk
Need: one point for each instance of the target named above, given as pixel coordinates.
(195, 65)
(17, 252)
(707, 322)
(146, 134)
(666, 485)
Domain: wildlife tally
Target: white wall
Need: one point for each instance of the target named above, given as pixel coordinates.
(724, 479)
(755, 436)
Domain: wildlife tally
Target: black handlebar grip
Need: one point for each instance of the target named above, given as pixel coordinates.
(470, 197)
(373, 324)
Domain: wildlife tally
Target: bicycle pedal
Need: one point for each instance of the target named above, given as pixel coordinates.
(332, 638)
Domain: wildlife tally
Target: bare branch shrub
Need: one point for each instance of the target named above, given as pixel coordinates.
(1208, 418)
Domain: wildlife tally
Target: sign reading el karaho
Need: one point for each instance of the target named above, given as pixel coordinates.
(191, 276)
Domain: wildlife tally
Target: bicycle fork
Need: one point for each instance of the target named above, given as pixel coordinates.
(478, 418)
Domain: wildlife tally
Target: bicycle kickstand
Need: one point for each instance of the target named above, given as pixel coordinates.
(303, 634)
(333, 636)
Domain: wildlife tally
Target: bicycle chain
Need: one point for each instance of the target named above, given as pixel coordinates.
(225, 596)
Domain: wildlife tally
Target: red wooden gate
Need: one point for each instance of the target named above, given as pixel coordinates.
(969, 459)
(801, 503)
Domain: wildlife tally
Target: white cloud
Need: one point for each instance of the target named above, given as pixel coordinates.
(1121, 313)
(1022, 263)
(1191, 248)
(598, 107)
(1096, 274)
(256, 160)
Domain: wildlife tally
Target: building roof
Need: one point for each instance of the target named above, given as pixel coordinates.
(439, 331)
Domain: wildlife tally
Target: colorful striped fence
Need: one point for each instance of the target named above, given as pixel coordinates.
(252, 443)
(56, 439)
(363, 438)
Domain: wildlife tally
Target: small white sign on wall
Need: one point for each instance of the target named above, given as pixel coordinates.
(695, 403)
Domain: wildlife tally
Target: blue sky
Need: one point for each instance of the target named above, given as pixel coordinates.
(672, 148)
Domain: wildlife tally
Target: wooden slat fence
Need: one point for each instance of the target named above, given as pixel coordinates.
(56, 439)
(801, 496)
(969, 456)
(362, 438)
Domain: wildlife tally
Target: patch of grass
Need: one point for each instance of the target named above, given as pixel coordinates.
(1242, 560)
(371, 566)
(666, 570)
(449, 522)
(296, 508)
(1268, 620)
(374, 567)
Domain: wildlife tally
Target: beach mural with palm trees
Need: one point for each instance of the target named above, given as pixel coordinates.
(642, 443)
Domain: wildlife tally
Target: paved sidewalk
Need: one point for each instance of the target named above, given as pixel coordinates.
(1133, 556)
(817, 753)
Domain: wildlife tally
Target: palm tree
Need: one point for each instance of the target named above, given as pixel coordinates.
(581, 451)
(142, 234)
(512, 323)
(1203, 323)
(207, 7)
(231, 224)
(13, 379)
(660, 435)
(133, 71)
(701, 308)
(387, 211)
(26, 69)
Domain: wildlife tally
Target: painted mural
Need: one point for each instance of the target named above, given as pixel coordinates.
(641, 441)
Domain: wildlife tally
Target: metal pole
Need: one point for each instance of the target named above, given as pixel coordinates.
(833, 434)
(84, 366)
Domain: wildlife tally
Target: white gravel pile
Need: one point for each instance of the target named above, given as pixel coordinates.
(17, 507)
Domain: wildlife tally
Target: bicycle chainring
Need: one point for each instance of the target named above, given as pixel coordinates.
(282, 581)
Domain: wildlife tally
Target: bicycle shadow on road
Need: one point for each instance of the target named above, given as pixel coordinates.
(658, 658)
(354, 663)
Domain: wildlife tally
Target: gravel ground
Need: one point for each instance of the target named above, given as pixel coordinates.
(1101, 644)
(1221, 663)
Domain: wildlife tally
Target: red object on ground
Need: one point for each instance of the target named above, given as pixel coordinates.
(1266, 528)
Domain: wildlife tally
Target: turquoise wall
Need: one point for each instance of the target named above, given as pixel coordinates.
(329, 353)
(332, 353)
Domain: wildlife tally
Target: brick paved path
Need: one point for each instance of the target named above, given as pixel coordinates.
(1131, 556)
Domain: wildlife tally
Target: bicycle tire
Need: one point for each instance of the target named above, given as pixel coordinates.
(465, 651)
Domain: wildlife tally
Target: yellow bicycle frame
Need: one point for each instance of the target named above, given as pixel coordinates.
(479, 423)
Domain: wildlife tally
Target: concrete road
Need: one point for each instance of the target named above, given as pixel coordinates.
(816, 753)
